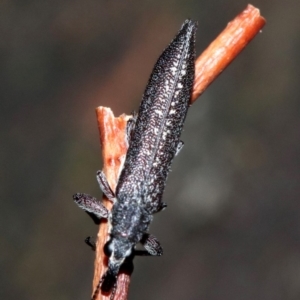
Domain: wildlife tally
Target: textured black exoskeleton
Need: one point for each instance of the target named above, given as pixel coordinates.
(153, 137)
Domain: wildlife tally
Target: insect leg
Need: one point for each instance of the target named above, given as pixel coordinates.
(161, 207)
(152, 246)
(90, 243)
(104, 186)
(179, 147)
(130, 126)
(96, 292)
(112, 288)
(91, 205)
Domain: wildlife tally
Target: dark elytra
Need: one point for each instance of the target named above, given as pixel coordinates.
(154, 140)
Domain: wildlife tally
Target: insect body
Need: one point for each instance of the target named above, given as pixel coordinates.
(153, 137)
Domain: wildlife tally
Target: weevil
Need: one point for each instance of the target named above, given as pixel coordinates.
(153, 136)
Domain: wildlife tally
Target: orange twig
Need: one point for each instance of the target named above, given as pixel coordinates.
(230, 42)
(114, 148)
(209, 65)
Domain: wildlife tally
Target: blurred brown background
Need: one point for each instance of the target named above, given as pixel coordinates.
(232, 227)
